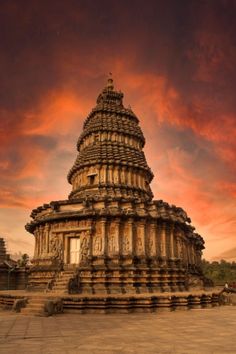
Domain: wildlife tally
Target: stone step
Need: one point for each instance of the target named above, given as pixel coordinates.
(55, 291)
(33, 313)
(65, 277)
(62, 282)
(66, 272)
(32, 309)
(61, 286)
(35, 306)
(65, 285)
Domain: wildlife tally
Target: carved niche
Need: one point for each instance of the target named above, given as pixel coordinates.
(151, 241)
(112, 242)
(98, 242)
(140, 240)
(55, 246)
(84, 245)
(126, 244)
(168, 243)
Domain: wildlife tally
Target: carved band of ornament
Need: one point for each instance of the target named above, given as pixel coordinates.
(72, 229)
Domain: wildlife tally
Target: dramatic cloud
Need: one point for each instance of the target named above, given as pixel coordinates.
(175, 63)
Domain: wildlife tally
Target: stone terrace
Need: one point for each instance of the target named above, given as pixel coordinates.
(205, 331)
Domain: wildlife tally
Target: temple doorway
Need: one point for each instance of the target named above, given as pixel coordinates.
(74, 250)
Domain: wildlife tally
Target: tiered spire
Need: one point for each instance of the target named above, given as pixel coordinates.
(110, 85)
(110, 160)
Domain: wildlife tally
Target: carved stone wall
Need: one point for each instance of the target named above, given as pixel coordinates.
(128, 242)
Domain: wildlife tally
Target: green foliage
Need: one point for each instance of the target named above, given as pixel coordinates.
(220, 272)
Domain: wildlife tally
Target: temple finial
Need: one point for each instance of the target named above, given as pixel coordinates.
(110, 85)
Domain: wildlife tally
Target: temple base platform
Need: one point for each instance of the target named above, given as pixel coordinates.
(45, 304)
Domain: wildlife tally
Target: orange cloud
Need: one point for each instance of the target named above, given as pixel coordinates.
(57, 113)
(179, 80)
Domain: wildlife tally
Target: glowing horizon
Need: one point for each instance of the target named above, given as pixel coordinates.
(175, 66)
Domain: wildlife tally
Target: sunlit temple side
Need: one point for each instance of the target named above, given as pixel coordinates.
(110, 236)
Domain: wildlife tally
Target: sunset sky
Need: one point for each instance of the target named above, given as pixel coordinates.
(175, 62)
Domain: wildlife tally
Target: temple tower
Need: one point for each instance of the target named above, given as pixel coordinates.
(110, 233)
(110, 160)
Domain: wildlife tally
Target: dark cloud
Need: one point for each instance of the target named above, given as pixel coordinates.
(174, 60)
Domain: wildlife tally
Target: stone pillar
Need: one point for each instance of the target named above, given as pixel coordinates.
(178, 246)
(158, 239)
(189, 253)
(199, 256)
(100, 242)
(85, 246)
(172, 241)
(110, 174)
(116, 175)
(127, 239)
(36, 243)
(152, 240)
(173, 274)
(46, 235)
(122, 175)
(40, 241)
(105, 174)
(99, 169)
(185, 252)
(86, 175)
(163, 240)
(140, 240)
(66, 250)
(193, 254)
(129, 177)
(113, 238)
(103, 236)
(136, 179)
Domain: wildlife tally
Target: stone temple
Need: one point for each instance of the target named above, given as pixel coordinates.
(110, 236)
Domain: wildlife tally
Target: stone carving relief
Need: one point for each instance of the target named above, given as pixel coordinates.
(151, 250)
(70, 225)
(102, 175)
(116, 176)
(97, 247)
(162, 248)
(111, 244)
(84, 248)
(163, 240)
(97, 243)
(126, 244)
(112, 239)
(56, 247)
(151, 241)
(139, 243)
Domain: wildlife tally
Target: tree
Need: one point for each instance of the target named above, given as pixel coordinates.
(219, 272)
